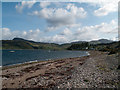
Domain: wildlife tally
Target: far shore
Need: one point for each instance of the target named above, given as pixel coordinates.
(61, 73)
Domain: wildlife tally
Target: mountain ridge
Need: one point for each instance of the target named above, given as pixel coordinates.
(20, 43)
(104, 41)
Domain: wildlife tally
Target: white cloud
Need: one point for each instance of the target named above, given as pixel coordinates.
(98, 1)
(44, 4)
(66, 32)
(20, 6)
(103, 30)
(7, 34)
(105, 6)
(57, 17)
(108, 27)
(0, 33)
(77, 12)
(32, 34)
(51, 28)
(106, 9)
(86, 33)
(59, 39)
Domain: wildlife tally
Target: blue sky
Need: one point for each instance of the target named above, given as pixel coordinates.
(59, 22)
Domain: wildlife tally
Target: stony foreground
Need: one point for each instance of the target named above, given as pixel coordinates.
(99, 70)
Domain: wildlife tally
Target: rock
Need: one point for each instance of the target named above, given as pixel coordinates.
(46, 78)
(17, 74)
(118, 67)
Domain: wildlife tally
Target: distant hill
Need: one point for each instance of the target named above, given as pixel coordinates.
(21, 39)
(101, 41)
(10, 44)
(112, 47)
(78, 42)
(20, 43)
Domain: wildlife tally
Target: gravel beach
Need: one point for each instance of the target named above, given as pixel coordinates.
(98, 70)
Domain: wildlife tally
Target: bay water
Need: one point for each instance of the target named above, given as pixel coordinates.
(10, 57)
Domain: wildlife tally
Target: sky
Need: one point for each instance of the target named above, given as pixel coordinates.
(60, 22)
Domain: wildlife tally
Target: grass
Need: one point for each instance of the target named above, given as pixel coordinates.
(102, 68)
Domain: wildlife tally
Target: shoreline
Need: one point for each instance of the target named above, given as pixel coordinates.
(65, 73)
(37, 61)
(33, 62)
(23, 72)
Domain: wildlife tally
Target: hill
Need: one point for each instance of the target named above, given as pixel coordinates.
(101, 41)
(20, 43)
(112, 47)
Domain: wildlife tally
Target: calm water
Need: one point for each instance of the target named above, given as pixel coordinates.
(21, 56)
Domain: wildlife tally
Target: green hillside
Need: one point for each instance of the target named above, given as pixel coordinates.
(26, 44)
(113, 47)
(101, 45)
(11, 44)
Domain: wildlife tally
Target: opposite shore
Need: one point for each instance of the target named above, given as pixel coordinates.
(96, 70)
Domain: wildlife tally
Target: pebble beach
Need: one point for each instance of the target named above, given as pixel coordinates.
(98, 70)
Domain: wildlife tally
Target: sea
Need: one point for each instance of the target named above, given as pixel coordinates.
(11, 57)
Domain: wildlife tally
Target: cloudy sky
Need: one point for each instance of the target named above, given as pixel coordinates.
(60, 22)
